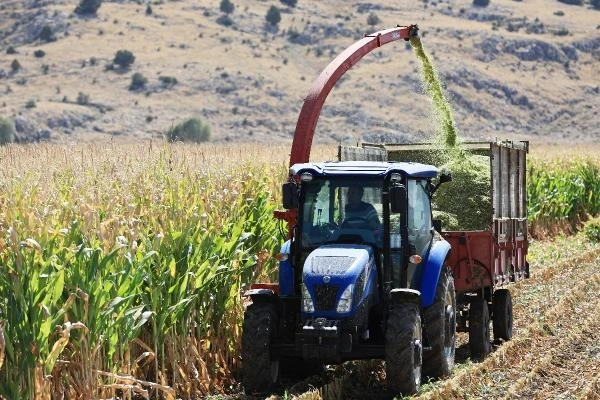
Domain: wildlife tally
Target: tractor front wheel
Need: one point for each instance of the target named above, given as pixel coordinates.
(259, 372)
(403, 349)
(479, 328)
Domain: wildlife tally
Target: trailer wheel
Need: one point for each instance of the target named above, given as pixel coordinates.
(502, 316)
(259, 372)
(440, 326)
(403, 349)
(479, 328)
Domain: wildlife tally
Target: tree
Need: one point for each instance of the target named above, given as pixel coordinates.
(88, 7)
(124, 58)
(481, 3)
(227, 6)
(7, 131)
(273, 15)
(15, 65)
(373, 19)
(138, 81)
(190, 130)
(289, 3)
(47, 35)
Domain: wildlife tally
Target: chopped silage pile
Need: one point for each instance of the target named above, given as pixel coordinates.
(465, 203)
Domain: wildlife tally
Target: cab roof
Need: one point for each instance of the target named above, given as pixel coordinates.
(365, 168)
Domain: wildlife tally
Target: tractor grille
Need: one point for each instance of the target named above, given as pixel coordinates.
(325, 297)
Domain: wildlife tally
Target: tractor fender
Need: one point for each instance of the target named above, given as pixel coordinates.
(431, 271)
(403, 296)
(261, 295)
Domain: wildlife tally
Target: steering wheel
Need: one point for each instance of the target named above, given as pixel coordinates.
(356, 223)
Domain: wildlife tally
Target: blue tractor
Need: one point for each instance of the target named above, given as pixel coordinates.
(364, 276)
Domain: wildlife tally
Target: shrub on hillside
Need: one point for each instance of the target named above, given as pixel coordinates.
(289, 3)
(572, 2)
(190, 130)
(83, 99)
(47, 35)
(595, 4)
(167, 81)
(39, 53)
(7, 131)
(273, 16)
(373, 19)
(481, 3)
(138, 81)
(11, 50)
(88, 7)
(124, 58)
(15, 66)
(226, 6)
(225, 20)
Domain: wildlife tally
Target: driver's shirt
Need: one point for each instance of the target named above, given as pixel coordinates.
(364, 211)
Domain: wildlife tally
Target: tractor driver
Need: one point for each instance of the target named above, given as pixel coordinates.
(358, 212)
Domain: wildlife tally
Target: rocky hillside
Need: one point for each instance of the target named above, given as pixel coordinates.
(524, 69)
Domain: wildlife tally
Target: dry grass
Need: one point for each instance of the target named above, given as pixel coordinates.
(179, 41)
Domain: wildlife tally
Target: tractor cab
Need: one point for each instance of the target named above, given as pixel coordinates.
(380, 207)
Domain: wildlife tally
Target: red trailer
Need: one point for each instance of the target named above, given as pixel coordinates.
(482, 261)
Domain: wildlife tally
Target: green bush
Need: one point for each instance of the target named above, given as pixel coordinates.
(167, 81)
(591, 230)
(15, 66)
(11, 50)
(30, 104)
(190, 130)
(47, 35)
(289, 3)
(124, 58)
(83, 99)
(138, 81)
(225, 20)
(39, 53)
(595, 4)
(88, 7)
(273, 16)
(373, 19)
(7, 131)
(481, 3)
(226, 6)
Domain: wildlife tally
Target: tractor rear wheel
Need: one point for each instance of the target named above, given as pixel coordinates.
(259, 372)
(479, 328)
(502, 316)
(440, 326)
(403, 349)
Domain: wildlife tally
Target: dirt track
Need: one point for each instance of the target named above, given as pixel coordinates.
(555, 352)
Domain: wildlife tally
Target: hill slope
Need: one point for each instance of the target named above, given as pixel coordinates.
(514, 69)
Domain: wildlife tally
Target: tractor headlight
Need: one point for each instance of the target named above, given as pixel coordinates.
(307, 303)
(345, 303)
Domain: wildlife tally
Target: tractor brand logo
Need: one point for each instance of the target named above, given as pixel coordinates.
(396, 35)
(326, 279)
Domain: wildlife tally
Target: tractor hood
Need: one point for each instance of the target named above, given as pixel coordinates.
(336, 280)
(337, 260)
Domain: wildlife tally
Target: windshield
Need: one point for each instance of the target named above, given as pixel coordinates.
(342, 210)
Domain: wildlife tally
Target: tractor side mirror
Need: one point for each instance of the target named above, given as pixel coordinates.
(445, 177)
(398, 198)
(289, 193)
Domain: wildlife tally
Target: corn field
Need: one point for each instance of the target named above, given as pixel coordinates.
(122, 266)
